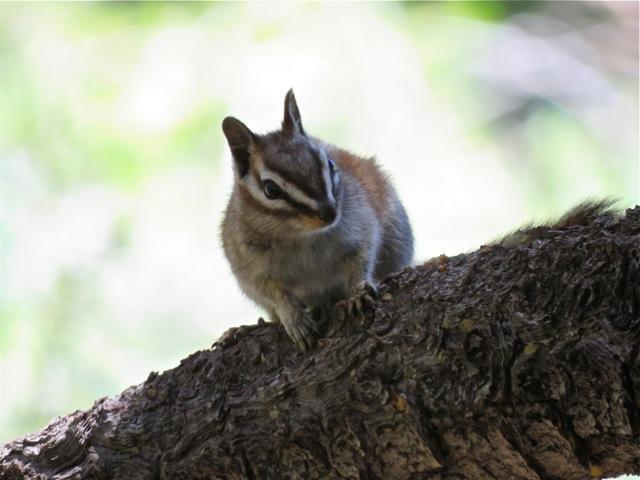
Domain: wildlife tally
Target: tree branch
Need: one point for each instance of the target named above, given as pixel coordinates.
(509, 362)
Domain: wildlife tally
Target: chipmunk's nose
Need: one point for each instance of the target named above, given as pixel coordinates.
(327, 212)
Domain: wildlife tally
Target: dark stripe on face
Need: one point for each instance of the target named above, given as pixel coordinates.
(301, 207)
(320, 166)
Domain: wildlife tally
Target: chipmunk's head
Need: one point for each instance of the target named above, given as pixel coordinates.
(286, 181)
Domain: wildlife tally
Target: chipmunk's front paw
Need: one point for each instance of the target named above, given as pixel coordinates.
(301, 328)
(361, 297)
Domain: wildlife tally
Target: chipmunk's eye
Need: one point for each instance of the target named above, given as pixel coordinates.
(271, 190)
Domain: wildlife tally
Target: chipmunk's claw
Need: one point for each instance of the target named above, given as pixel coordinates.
(234, 333)
(361, 298)
(302, 329)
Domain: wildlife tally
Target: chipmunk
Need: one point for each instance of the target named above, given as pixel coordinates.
(308, 224)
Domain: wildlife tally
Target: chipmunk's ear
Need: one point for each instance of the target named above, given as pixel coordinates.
(240, 140)
(292, 123)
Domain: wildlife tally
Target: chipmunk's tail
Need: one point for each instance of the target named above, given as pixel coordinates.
(582, 214)
(586, 212)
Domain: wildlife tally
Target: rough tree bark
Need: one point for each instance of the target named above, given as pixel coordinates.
(509, 362)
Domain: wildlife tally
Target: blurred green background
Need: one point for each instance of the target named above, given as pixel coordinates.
(115, 172)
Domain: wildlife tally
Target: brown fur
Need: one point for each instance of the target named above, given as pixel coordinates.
(312, 223)
(368, 174)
